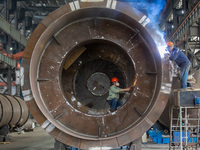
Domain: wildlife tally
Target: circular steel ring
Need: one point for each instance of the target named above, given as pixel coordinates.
(130, 121)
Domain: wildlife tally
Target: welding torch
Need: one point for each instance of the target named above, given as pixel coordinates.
(134, 83)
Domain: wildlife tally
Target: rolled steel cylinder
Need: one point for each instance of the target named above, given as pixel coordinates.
(69, 61)
(13, 111)
(29, 125)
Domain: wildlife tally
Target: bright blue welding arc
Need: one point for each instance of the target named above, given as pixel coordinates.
(155, 7)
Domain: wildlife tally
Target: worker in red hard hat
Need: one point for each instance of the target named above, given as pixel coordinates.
(113, 98)
(181, 60)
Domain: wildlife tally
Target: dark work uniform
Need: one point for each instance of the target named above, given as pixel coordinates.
(184, 64)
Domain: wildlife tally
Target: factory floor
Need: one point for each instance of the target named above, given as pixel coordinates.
(34, 140)
(41, 140)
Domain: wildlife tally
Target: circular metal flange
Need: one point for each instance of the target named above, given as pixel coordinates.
(58, 37)
(98, 84)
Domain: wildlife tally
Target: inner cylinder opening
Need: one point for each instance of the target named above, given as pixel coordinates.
(88, 71)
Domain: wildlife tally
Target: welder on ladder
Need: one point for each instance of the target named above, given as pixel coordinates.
(181, 60)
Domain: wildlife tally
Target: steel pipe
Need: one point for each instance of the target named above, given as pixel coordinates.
(68, 64)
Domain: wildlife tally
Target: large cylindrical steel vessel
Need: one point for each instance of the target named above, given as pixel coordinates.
(69, 61)
(13, 111)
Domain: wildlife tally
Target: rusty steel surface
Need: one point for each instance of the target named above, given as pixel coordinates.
(70, 102)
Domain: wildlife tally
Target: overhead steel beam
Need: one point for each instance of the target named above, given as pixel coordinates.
(40, 8)
(9, 29)
(7, 60)
(193, 16)
(167, 11)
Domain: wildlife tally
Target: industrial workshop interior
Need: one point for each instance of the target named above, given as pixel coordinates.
(99, 74)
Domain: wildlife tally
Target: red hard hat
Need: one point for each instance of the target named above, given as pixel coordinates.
(170, 44)
(114, 79)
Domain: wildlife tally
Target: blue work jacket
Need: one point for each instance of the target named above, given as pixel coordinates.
(179, 57)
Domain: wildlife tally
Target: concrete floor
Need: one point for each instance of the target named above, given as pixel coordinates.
(41, 140)
(36, 140)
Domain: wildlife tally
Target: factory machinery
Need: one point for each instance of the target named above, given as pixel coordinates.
(13, 114)
(69, 61)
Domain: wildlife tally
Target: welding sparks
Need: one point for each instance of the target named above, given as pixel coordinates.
(153, 13)
(162, 50)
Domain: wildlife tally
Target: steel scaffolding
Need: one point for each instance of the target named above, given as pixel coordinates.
(184, 128)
